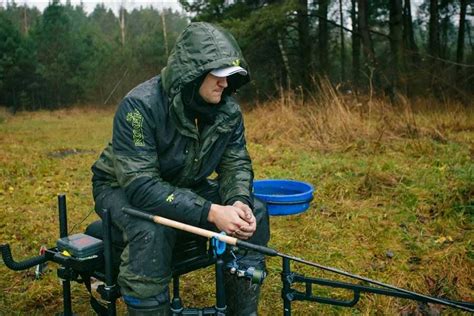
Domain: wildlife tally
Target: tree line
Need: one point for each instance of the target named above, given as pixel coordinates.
(360, 45)
(63, 56)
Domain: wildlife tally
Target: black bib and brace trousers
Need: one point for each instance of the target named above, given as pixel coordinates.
(145, 269)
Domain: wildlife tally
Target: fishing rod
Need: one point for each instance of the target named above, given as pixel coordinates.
(274, 253)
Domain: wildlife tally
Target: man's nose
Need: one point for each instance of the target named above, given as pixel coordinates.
(222, 82)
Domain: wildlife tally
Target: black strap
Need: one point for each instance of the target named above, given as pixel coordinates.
(96, 306)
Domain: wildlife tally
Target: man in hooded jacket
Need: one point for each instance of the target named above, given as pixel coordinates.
(170, 134)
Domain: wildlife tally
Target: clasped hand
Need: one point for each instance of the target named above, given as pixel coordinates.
(236, 220)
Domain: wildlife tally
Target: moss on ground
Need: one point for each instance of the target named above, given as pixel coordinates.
(398, 209)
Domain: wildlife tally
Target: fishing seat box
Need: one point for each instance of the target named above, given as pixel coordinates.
(190, 252)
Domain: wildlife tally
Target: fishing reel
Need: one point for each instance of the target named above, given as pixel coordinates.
(234, 266)
(256, 276)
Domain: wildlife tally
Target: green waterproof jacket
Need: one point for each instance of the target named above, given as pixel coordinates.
(157, 155)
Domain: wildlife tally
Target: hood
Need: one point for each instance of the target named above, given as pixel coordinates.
(200, 48)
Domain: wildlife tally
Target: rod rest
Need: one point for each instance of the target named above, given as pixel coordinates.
(190, 253)
(21, 265)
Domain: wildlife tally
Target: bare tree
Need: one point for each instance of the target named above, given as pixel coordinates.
(122, 24)
(462, 26)
(396, 42)
(363, 19)
(433, 36)
(323, 36)
(343, 48)
(286, 63)
(165, 33)
(355, 43)
(304, 43)
(25, 20)
(445, 22)
(408, 34)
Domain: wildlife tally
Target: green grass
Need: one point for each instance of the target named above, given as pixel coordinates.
(410, 196)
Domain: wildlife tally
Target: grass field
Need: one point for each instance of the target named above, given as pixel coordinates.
(393, 202)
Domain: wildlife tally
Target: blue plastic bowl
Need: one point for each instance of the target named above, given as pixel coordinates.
(284, 197)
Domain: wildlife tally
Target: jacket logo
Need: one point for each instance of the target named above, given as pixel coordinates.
(136, 120)
(170, 198)
(236, 62)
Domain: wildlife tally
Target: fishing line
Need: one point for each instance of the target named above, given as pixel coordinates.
(75, 225)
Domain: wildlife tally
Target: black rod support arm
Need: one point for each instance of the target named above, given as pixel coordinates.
(21, 265)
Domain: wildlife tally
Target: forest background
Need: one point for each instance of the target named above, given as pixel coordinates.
(63, 56)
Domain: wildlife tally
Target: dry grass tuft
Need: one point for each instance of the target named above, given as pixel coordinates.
(331, 120)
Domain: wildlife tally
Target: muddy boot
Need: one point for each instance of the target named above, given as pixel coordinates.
(153, 306)
(241, 296)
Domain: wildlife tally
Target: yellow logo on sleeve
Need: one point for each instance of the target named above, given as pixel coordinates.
(170, 198)
(136, 120)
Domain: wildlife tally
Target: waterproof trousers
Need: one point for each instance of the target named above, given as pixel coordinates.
(145, 269)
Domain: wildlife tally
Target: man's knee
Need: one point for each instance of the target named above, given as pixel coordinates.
(150, 248)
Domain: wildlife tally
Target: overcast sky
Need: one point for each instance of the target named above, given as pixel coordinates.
(89, 5)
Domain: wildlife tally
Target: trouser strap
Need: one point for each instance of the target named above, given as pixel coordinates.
(150, 302)
(96, 306)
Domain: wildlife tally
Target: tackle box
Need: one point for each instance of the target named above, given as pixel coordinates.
(80, 245)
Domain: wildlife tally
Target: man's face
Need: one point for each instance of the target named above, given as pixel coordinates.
(212, 87)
